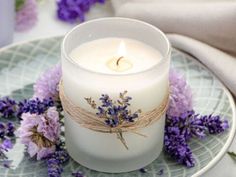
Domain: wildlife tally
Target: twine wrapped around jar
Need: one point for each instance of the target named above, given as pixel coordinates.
(91, 121)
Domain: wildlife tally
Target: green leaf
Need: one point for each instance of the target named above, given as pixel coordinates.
(232, 155)
(19, 4)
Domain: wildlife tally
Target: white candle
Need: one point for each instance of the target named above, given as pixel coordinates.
(90, 69)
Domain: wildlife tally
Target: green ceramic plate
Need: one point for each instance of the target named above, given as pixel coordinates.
(22, 64)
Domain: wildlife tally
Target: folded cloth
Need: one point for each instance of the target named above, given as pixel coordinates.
(220, 63)
(211, 23)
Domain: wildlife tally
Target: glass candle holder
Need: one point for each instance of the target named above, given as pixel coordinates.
(148, 88)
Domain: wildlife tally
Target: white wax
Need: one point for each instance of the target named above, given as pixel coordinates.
(96, 54)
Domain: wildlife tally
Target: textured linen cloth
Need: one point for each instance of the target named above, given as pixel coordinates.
(212, 22)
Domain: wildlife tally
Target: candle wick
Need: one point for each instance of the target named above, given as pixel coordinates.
(118, 60)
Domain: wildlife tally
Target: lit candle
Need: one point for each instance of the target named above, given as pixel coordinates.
(120, 63)
(96, 62)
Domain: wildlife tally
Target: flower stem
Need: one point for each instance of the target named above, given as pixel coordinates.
(121, 138)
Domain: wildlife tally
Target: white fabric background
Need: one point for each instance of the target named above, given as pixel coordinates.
(48, 26)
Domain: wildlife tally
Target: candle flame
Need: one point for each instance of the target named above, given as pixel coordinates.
(122, 49)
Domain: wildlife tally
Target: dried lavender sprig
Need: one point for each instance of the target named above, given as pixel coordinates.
(54, 168)
(8, 107)
(214, 124)
(5, 146)
(114, 112)
(34, 106)
(78, 174)
(55, 162)
(176, 146)
(180, 129)
(7, 129)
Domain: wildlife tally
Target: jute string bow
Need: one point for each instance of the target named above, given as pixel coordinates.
(91, 121)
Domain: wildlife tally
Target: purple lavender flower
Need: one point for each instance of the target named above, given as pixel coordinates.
(34, 106)
(180, 95)
(2, 130)
(74, 10)
(114, 113)
(26, 15)
(214, 124)
(176, 146)
(10, 108)
(180, 129)
(55, 162)
(106, 100)
(6, 145)
(10, 129)
(54, 168)
(6, 129)
(189, 124)
(40, 133)
(77, 174)
(47, 85)
(7, 107)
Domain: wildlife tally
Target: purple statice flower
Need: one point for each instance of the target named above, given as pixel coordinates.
(26, 15)
(40, 133)
(73, 10)
(180, 95)
(7, 107)
(77, 174)
(34, 106)
(55, 162)
(47, 85)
